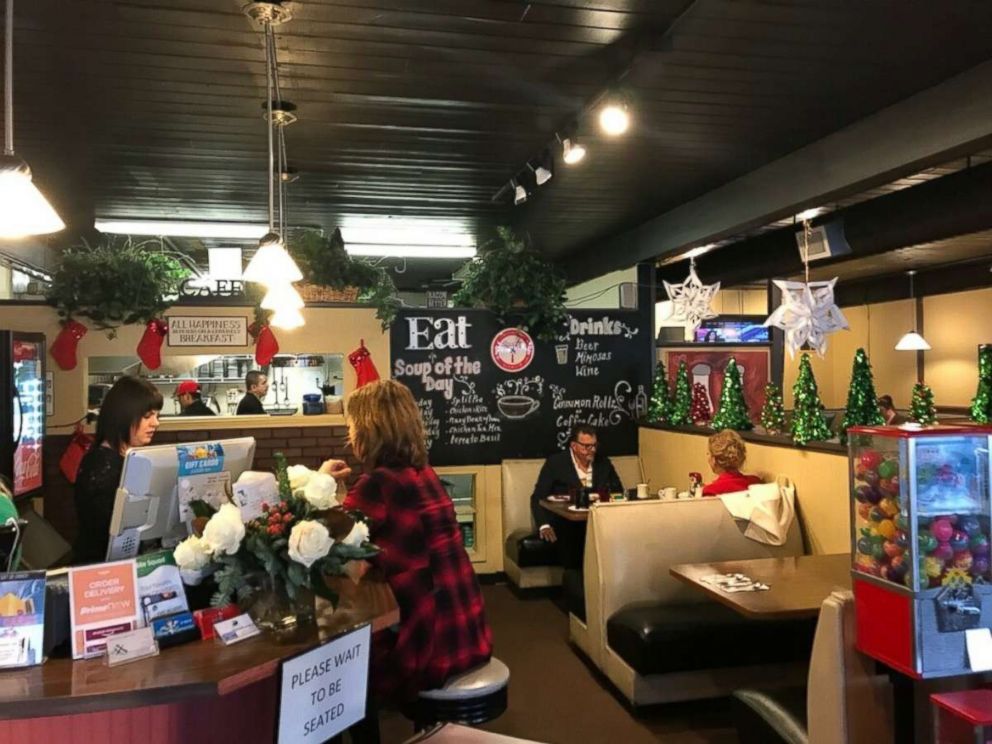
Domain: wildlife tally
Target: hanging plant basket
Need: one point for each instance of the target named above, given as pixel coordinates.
(319, 293)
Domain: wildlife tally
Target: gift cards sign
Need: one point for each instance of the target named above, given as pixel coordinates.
(103, 600)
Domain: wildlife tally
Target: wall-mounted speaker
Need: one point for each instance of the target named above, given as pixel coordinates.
(825, 241)
(628, 296)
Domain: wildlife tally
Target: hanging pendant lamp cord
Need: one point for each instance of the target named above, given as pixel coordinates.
(8, 81)
(268, 121)
(807, 231)
(273, 55)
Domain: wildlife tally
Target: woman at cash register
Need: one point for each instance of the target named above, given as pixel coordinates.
(128, 418)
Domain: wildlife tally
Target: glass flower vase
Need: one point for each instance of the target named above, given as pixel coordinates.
(287, 619)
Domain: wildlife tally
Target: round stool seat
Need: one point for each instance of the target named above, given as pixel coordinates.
(477, 696)
(483, 680)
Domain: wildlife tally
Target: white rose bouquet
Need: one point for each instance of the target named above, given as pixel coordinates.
(297, 541)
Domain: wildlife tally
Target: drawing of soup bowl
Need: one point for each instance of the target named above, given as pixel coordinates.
(516, 406)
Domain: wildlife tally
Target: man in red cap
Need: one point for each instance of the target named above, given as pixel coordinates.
(190, 402)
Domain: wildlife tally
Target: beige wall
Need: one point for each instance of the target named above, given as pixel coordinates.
(601, 292)
(954, 325)
(327, 329)
(876, 328)
(820, 478)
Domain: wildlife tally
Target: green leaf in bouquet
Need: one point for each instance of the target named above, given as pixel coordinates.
(201, 508)
(319, 586)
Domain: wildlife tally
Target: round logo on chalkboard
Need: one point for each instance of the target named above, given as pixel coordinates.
(512, 349)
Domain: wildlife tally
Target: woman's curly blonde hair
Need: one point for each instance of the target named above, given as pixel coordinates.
(728, 449)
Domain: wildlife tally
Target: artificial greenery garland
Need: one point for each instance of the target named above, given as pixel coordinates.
(116, 283)
(511, 279)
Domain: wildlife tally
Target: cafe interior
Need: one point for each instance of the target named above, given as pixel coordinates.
(766, 216)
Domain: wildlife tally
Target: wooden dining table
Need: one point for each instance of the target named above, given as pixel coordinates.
(797, 584)
(560, 508)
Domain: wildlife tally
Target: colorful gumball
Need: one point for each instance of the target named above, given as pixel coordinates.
(971, 525)
(876, 514)
(887, 529)
(874, 496)
(863, 511)
(933, 567)
(891, 486)
(888, 469)
(901, 539)
(898, 569)
(878, 550)
(959, 540)
(942, 529)
(943, 552)
(980, 566)
(870, 459)
(927, 542)
(964, 560)
(902, 522)
(892, 550)
(979, 545)
(871, 477)
(889, 507)
(867, 565)
(865, 546)
(862, 493)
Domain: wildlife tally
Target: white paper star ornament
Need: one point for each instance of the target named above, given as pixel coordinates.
(807, 314)
(691, 299)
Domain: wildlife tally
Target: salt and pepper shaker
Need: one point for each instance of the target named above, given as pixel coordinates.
(695, 485)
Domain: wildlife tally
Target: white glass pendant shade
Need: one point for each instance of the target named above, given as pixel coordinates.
(272, 264)
(23, 208)
(912, 341)
(282, 297)
(286, 319)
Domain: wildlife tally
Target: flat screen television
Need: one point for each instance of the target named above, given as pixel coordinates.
(739, 330)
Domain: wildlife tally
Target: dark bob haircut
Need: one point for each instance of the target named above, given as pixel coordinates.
(124, 406)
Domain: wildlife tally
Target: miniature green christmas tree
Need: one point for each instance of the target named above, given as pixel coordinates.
(862, 402)
(732, 411)
(922, 409)
(700, 412)
(981, 404)
(660, 407)
(807, 418)
(773, 411)
(682, 403)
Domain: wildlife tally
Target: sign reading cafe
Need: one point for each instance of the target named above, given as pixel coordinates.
(198, 330)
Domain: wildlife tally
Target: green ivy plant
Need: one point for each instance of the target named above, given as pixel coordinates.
(510, 278)
(324, 261)
(116, 283)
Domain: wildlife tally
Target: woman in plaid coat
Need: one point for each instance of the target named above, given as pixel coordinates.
(442, 630)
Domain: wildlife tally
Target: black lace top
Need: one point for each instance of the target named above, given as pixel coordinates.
(96, 486)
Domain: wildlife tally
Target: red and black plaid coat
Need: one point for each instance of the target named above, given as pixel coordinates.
(443, 629)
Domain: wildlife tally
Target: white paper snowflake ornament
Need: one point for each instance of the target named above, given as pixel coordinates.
(807, 314)
(691, 299)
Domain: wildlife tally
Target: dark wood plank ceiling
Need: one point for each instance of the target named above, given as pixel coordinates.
(144, 108)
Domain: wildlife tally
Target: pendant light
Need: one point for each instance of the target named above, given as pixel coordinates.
(912, 341)
(282, 297)
(271, 263)
(23, 208)
(286, 318)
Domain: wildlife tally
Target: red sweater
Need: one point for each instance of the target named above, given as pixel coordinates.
(730, 482)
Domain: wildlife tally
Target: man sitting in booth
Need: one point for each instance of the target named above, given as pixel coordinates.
(191, 401)
(257, 385)
(566, 473)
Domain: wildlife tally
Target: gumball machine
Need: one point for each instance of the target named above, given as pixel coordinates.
(921, 507)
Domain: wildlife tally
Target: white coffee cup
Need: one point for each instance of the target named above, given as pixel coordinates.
(642, 490)
(668, 493)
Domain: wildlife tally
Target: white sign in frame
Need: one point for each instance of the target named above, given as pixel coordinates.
(323, 691)
(207, 330)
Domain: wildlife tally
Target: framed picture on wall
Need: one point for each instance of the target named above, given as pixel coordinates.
(706, 365)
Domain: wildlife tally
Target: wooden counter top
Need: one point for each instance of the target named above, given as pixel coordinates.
(62, 686)
(213, 423)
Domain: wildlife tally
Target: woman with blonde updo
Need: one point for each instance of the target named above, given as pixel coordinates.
(726, 456)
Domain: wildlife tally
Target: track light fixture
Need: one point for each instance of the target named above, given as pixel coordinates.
(614, 119)
(544, 169)
(572, 151)
(519, 193)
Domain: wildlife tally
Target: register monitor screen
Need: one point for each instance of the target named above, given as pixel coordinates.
(147, 504)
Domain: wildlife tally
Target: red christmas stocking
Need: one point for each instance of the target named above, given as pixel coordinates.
(361, 360)
(64, 347)
(266, 344)
(150, 346)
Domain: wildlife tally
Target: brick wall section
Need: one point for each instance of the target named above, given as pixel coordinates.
(308, 446)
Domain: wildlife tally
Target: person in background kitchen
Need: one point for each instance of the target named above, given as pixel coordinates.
(257, 385)
(190, 400)
(128, 418)
(567, 472)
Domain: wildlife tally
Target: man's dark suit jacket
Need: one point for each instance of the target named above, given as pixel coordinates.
(558, 476)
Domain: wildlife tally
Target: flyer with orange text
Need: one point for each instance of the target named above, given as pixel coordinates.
(103, 600)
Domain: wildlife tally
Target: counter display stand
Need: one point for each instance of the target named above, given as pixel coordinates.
(195, 693)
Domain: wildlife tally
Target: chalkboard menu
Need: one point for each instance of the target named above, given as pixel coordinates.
(488, 391)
